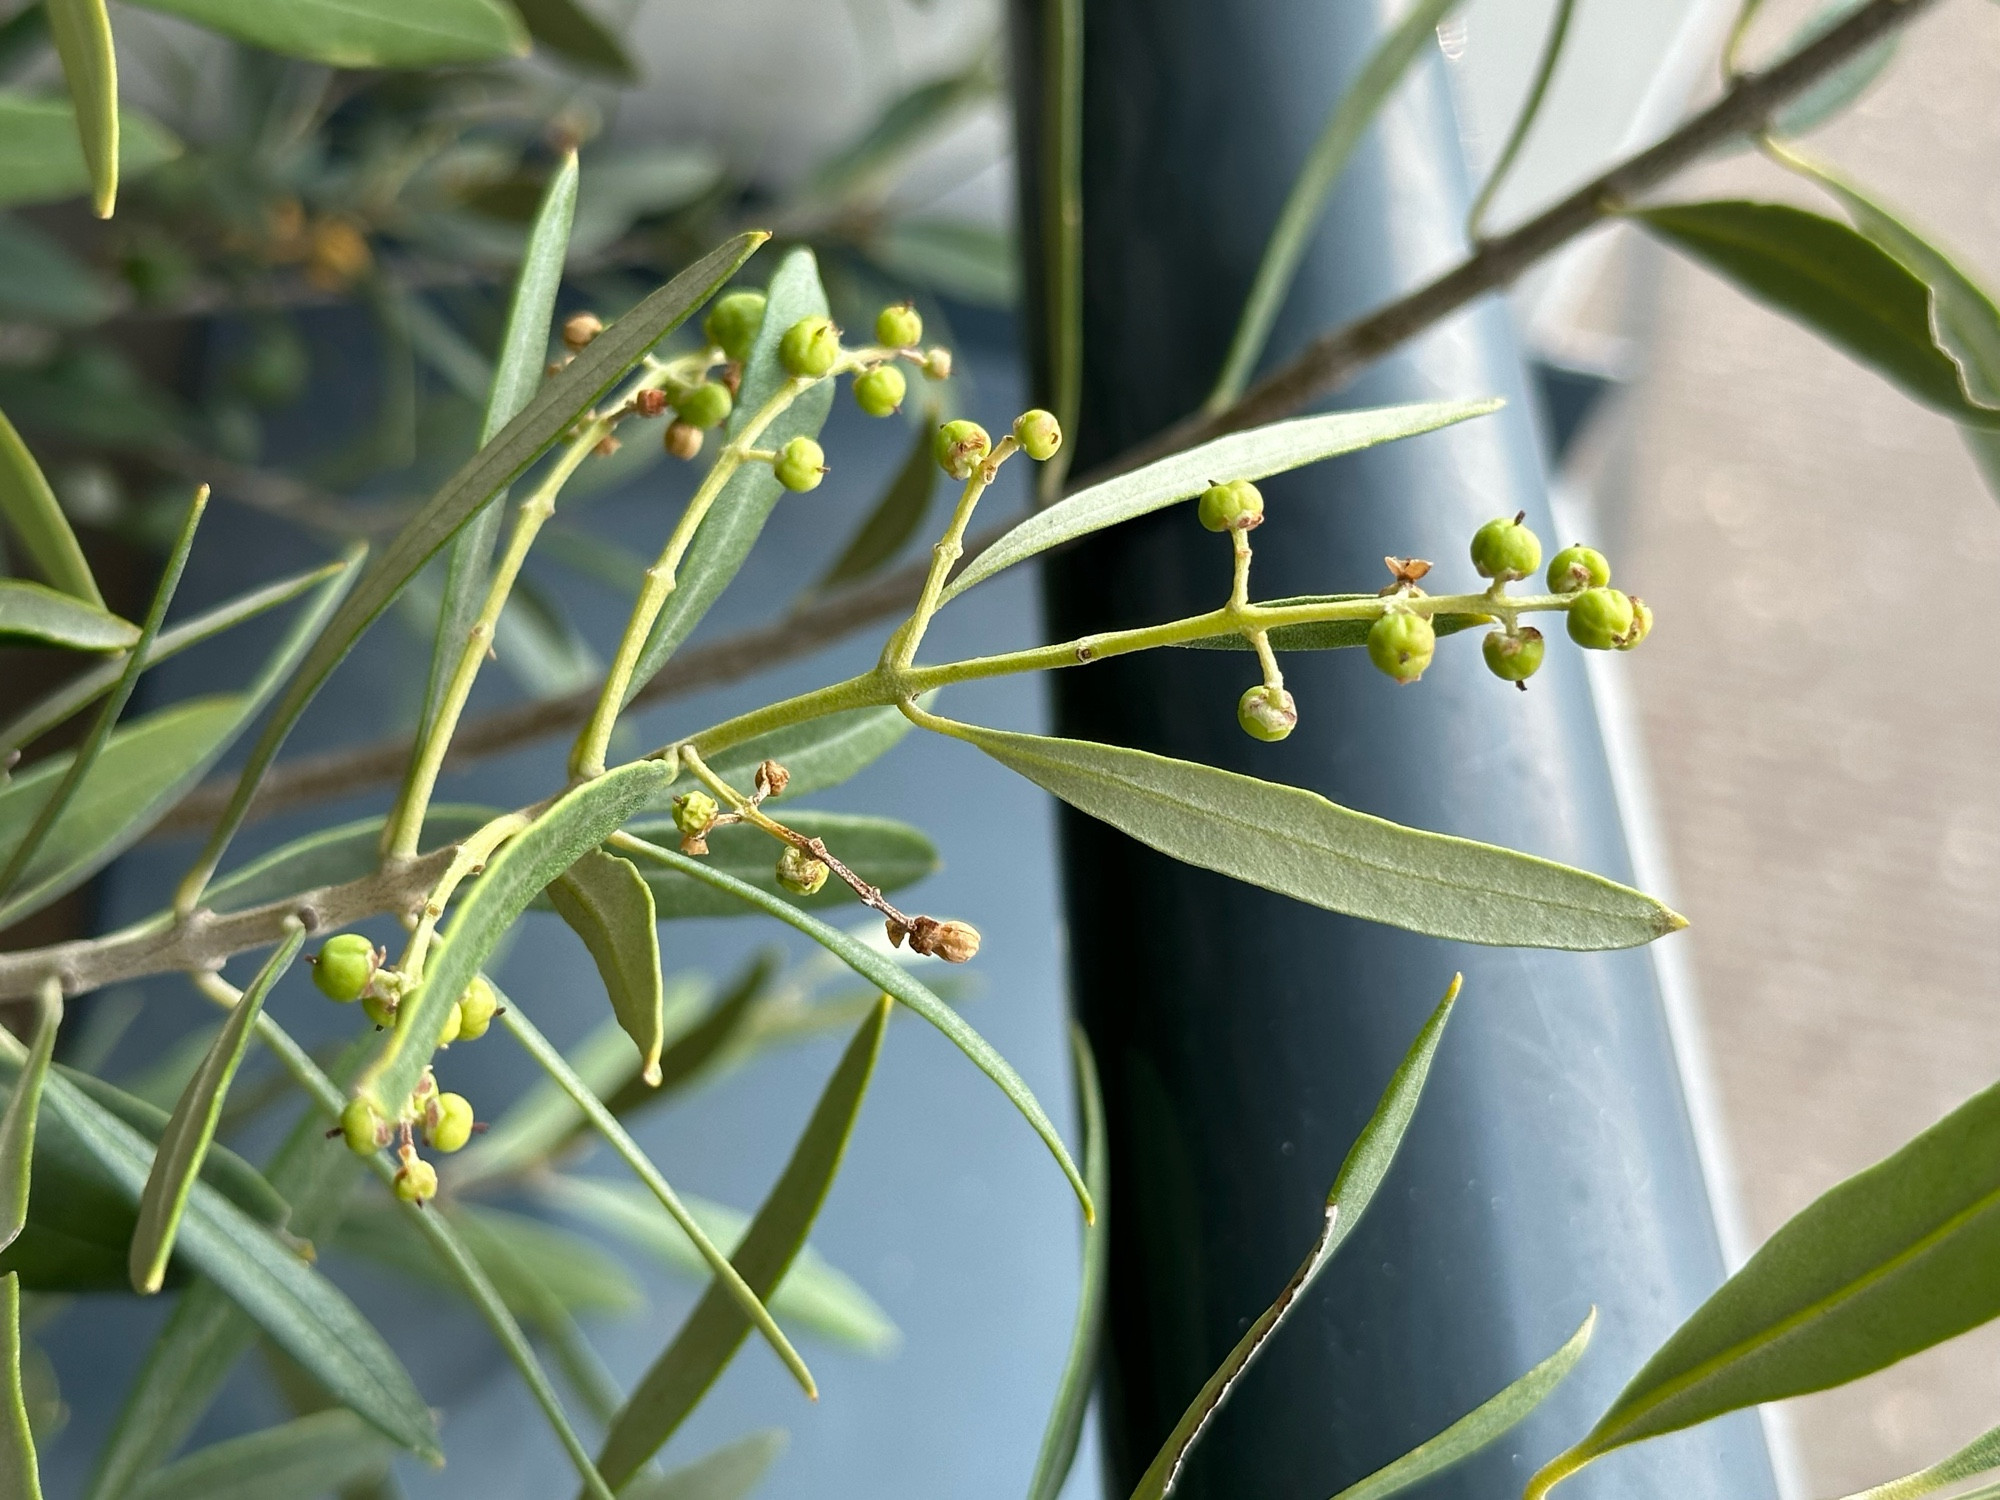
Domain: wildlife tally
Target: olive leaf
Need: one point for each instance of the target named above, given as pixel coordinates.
(364, 33)
(41, 156)
(82, 33)
(333, 856)
(327, 1450)
(37, 613)
(608, 904)
(716, 1328)
(819, 753)
(1299, 844)
(184, 1144)
(1976, 1457)
(896, 516)
(571, 32)
(1240, 455)
(29, 505)
(17, 1125)
(1361, 1175)
(729, 1473)
(1814, 106)
(581, 1277)
(20, 1471)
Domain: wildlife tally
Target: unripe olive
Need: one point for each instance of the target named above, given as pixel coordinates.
(1267, 713)
(363, 1127)
(343, 966)
(1234, 505)
(1401, 645)
(707, 405)
(416, 1180)
(962, 447)
(694, 813)
(1039, 434)
(1513, 658)
(801, 465)
(381, 1009)
(1599, 618)
(880, 391)
(476, 1008)
(1505, 550)
(732, 324)
(799, 872)
(454, 1020)
(681, 440)
(810, 347)
(1576, 568)
(448, 1122)
(1642, 624)
(899, 326)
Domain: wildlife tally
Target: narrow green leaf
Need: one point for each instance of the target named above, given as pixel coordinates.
(733, 524)
(1833, 94)
(1477, 1427)
(1079, 1374)
(555, 405)
(1835, 281)
(703, 1042)
(189, 1133)
(23, 38)
(41, 281)
(1240, 455)
(364, 33)
(50, 809)
(569, 30)
(34, 612)
(144, 769)
(82, 34)
(1976, 1457)
(333, 856)
(883, 852)
(517, 371)
(819, 753)
(894, 980)
(41, 159)
(576, 822)
(813, 1294)
(580, 1277)
(301, 1311)
(30, 507)
(608, 904)
(1524, 122)
(910, 120)
(20, 1471)
(729, 1473)
(17, 1125)
(715, 1330)
(1361, 1174)
(959, 258)
(307, 1456)
(729, 1284)
(896, 516)
(1349, 120)
(1299, 844)
(1327, 635)
(1892, 1261)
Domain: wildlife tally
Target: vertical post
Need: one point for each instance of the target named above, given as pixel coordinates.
(1244, 1038)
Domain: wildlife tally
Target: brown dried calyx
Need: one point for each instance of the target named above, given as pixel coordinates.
(954, 942)
(771, 780)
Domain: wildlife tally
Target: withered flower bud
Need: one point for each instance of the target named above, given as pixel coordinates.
(580, 328)
(607, 445)
(649, 402)
(682, 440)
(954, 942)
(772, 779)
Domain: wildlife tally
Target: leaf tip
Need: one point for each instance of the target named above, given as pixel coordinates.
(1671, 921)
(651, 1072)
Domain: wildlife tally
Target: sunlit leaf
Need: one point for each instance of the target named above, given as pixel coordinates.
(609, 905)
(1299, 844)
(308, 1455)
(36, 613)
(364, 33)
(29, 505)
(41, 160)
(1240, 455)
(82, 33)
(17, 1125)
(569, 30)
(20, 1471)
(729, 1473)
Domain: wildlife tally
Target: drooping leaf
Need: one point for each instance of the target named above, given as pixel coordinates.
(34, 612)
(364, 33)
(813, 1294)
(1240, 455)
(82, 33)
(1361, 1175)
(17, 1125)
(569, 30)
(1833, 280)
(885, 853)
(896, 516)
(1299, 844)
(731, 528)
(1892, 1261)
(1326, 635)
(555, 405)
(29, 505)
(576, 822)
(41, 160)
(729, 1473)
(1832, 95)
(178, 1160)
(716, 1329)
(333, 856)
(1079, 1375)
(20, 1470)
(1478, 1427)
(894, 980)
(309, 1455)
(608, 904)
(819, 753)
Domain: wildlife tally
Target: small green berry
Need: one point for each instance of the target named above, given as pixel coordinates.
(799, 872)
(899, 325)
(1267, 713)
(1576, 568)
(1600, 618)
(476, 1008)
(962, 447)
(1039, 434)
(454, 1025)
(1401, 645)
(801, 465)
(1642, 624)
(809, 347)
(1505, 550)
(362, 1125)
(344, 966)
(448, 1122)
(880, 391)
(381, 1009)
(416, 1180)
(732, 324)
(1513, 658)
(694, 813)
(1236, 505)
(707, 405)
